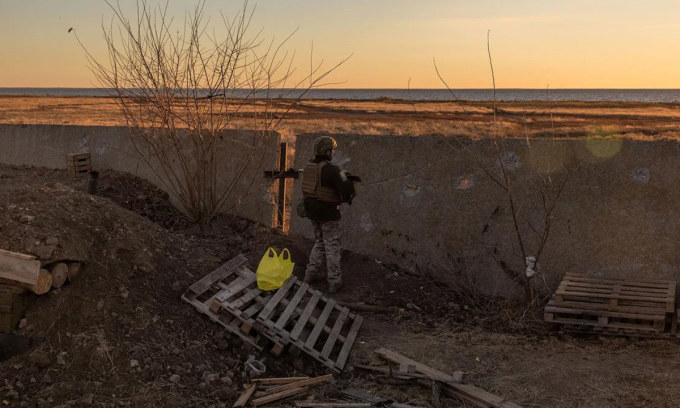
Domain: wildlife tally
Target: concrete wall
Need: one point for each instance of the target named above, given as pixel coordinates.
(112, 148)
(425, 204)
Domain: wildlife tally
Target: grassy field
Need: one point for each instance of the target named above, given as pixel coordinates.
(639, 121)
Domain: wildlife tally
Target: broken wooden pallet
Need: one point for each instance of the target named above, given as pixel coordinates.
(313, 323)
(582, 291)
(294, 314)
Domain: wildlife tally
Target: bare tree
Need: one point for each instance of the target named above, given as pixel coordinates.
(183, 86)
(531, 237)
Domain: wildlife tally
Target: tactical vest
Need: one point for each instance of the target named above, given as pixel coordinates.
(311, 184)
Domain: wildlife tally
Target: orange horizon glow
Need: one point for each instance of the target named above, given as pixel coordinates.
(577, 44)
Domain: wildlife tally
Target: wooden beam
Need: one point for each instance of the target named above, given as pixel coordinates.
(245, 396)
(299, 384)
(282, 380)
(279, 396)
(19, 267)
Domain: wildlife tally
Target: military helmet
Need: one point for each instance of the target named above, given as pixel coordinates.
(323, 144)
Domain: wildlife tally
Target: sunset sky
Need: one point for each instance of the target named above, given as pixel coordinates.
(566, 43)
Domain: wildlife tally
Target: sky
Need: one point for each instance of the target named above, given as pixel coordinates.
(534, 43)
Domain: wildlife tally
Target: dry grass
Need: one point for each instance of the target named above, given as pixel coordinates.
(634, 121)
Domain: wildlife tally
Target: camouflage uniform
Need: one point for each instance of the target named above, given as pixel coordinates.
(326, 243)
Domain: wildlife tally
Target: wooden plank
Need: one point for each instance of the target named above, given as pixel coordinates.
(245, 396)
(277, 381)
(292, 305)
(202, 285)
(235, 287)
(337, 327)
(599, 313)
(612, 296)
(364, 396)
(256, 307)
(279, 396)
(637, 282)
(17, 255)
(15, 267)
(566, 320)
(304, 317)
(347, 345)
(320, 323)
(274, 301)
(243, 300)
(299, 384)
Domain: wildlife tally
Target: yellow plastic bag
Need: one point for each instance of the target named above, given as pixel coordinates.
(274, 269)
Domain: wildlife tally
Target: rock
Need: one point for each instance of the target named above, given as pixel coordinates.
(175, 401)
(298, 364)
(412, 306)
(223, 345)
(453, 306)
(176, 287)
(176, 351)
(331, 392)
(100, 305)
(52, 241)
(134, 363)
(226, 394)
(61, 361)
(175, 378)
(26, 219)
(40, 359)
(142, 197)
(87, 399)
(226, 380)
(124, 295)
(47, 379)
(23, 323)
(44, 251)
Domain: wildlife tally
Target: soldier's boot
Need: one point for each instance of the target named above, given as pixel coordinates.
(334, 287)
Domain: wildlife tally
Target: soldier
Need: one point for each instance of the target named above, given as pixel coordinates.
(324, 187)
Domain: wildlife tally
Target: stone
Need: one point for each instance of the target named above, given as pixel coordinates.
(223, 345)
(175, 401)
(40, 359)
(134, 363)
(87, 399)
(60, 360)
(175, 378)
(331, 392)
(176, 287)
(100, 305)
(226, 380)
(453, 306)
(44, 251)
(47, 379)
(25, 219)
(23, 323)
(52, 241)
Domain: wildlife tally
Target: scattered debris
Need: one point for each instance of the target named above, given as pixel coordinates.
(449, 384)
(275, 389)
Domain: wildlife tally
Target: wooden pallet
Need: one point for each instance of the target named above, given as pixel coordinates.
(311, 322)
(78, 164)
(202, 296)
(582, 292)
(639, 321)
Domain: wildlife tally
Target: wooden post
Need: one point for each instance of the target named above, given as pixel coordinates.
(281, 204)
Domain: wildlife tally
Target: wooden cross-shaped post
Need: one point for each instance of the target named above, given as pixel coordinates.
(282, 174)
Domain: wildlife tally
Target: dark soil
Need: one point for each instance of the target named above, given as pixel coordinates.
(121, 336)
